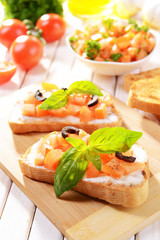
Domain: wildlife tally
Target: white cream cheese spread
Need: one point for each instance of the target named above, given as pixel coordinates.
(17, 115)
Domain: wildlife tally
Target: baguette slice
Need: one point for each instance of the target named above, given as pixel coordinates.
(145, 95)
(24, 124)
(130, 195)
(129, 79)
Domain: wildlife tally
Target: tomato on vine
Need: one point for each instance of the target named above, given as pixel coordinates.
(52, 25)
(26, 51)
(10, 29)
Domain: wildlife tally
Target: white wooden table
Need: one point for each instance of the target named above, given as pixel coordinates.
(20, 219)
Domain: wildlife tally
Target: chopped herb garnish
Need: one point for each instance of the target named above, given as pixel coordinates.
(108, 23)
(92, 49)
(136, 27)
(105, 35)
(116, 56)
(73, 39)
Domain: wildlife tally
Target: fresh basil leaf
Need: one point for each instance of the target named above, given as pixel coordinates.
(116, 56)
(77, 143)
(58, 99)
(86, 87)
(95, 158)
(110, 140)
(70, 170)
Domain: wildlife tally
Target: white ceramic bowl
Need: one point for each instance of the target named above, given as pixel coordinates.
(115, 68)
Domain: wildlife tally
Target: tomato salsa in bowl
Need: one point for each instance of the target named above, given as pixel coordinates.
(113, 47)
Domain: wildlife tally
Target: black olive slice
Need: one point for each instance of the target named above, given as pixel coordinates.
(69, 129)
(93, 101)
(39, 96)
(125, 158)
(64, 89)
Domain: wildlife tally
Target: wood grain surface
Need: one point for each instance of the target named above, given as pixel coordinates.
(75, 215)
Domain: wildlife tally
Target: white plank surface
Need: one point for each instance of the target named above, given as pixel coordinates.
(17, 216)
(5, 185)
(42, 228)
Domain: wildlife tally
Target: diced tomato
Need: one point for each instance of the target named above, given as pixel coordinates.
(86, 115)
(142, 53)
(79, 99)
(62, 144)
(132, 51)
(150, 44)
(30, 98)
(125, 58)
(110, 172)
(115, 49)
(52, 159)
(137, 40)
(73, 109)
(107, 99)
(101, 111)
(28, 109)
(105, 158)
(130, 167)
(92, 171)
(39, 161)
(54, 139)
(123, 42)
(41, 112)
(60, 112)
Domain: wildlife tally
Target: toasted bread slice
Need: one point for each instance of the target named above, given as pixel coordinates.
(129, 79)
(128, 191)
(23, 124)
(145, 95)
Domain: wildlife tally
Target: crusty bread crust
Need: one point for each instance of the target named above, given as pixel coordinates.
(144, 95)
(129, 79)
(20, 126)
(127, 196)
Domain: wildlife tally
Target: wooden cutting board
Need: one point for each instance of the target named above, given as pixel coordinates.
(77, 216)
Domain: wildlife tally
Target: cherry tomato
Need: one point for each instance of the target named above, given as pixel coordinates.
(7, 70)
(52, 25)
(26, 51)
(10, 30)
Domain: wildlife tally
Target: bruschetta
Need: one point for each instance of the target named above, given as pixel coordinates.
(82, 105)
(91, 164)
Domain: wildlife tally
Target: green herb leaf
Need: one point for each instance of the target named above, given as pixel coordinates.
(95, 158)
(70, 170)
(92, 49)
(110, 140)
(86, 87)
(58, 99)
(116, 56)
(105, 35)
(77, 143)
(108, 23)
(138, 28)
(73, 39)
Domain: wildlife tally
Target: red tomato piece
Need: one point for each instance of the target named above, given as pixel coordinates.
(52, 25)
(10, 29)
(7, 70)
(26, 51)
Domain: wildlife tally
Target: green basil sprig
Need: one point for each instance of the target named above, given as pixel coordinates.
(74, 162)
(59, 98)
